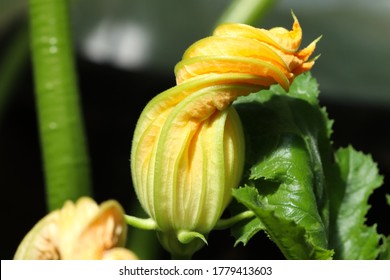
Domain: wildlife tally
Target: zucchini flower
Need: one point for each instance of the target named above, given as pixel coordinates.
(188, 146)
(79, 231)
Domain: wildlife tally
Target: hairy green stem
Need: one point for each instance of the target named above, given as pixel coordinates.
(142, 242)
(146, 224)
(229, 222)
(65, 157)
(246, 11)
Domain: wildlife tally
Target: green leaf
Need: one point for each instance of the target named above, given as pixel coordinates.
(291, 238)
(385, 249)
(359, 177)
(288, 158)
(244, 231)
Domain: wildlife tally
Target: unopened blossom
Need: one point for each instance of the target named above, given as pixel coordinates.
(79, 231)
(188, 146)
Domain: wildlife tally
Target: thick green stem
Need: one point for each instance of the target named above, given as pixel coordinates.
(65, 156)
(246, 11)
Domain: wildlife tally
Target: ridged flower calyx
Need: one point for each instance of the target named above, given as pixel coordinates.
(188, 146)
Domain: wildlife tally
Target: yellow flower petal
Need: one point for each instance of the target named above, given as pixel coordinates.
(81, 230)
(119, 254)
(41, 242)
(238, 48)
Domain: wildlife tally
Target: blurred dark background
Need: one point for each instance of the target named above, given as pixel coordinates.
(117, 82)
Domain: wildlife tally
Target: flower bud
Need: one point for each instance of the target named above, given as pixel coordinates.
(188, 146)
(81, 230)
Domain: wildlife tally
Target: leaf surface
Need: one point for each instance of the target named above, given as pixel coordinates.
(359, 177)
(288, 157)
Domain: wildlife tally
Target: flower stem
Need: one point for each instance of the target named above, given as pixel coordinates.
(145, 224)
(227, 223)
(246, 11)
(63, 144)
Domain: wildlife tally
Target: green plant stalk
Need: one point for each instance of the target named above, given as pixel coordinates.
(65, 157)
(142, 242)
(229, 222)
(246, 11)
